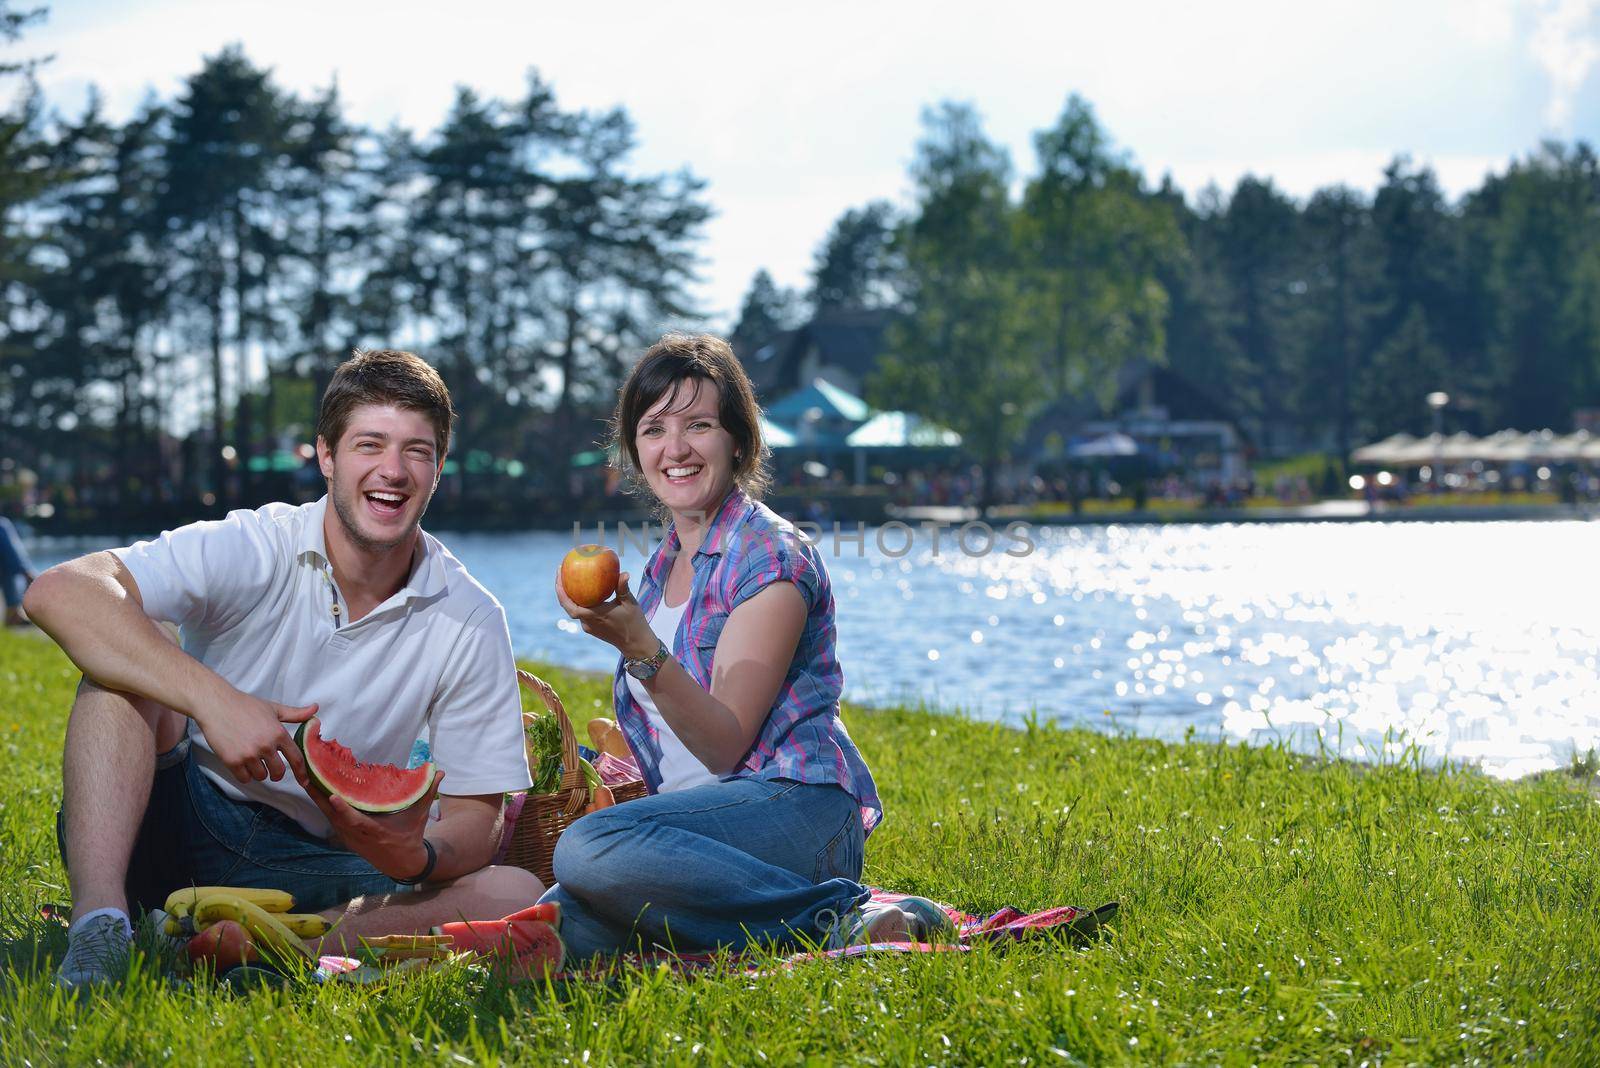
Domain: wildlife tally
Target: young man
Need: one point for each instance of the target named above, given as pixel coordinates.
(180, 765)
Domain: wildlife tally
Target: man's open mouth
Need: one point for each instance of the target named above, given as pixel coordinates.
(385, 504)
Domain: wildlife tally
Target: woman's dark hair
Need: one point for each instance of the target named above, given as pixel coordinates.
(661, 372)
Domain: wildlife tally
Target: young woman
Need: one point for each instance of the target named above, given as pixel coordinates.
(728, 692)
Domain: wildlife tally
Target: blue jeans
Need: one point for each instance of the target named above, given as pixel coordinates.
(195, 835)
(723, 865)
(14, 565)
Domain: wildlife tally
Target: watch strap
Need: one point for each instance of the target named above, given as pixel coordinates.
(652, 663)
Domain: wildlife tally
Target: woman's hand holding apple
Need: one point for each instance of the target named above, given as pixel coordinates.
(619, 622)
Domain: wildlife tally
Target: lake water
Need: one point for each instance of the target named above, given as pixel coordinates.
(1475, 641)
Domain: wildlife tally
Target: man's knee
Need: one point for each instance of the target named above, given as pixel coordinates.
(504, 881)
(93, 699)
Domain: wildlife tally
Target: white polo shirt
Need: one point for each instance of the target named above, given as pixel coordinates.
(255, 601)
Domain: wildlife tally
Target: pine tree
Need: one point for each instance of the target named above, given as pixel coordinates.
(1336, 311)
(854, 268)
(622, 252)
(1256, 243)
(223, 160)
(1092, 246)
(767, 310)
(962, 353)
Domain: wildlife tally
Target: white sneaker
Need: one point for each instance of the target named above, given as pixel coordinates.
(97, 952)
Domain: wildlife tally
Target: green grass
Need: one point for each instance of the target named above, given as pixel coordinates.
(1276, 909)
(1311, 465)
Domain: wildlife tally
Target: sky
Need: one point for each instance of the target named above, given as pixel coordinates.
(794, 113)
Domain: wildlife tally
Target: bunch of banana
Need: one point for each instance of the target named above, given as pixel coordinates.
(264, 913)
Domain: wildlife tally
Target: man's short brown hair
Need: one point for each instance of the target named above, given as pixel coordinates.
(386, 377)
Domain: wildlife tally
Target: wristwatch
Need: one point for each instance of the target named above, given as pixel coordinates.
(647, 668)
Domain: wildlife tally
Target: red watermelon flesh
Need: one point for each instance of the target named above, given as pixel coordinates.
(544, 958)
(523, 949)
(549, 912)
(368, 787)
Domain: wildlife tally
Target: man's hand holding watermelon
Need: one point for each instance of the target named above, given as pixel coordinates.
(389, 841)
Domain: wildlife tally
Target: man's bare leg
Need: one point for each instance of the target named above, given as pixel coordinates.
(107, 771)
(486, 894)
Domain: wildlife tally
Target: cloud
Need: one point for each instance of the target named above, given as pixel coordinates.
(1566, 45)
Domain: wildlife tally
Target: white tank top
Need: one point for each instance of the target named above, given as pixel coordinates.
(680, 769)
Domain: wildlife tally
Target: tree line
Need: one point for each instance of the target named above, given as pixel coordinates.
(1320, 323)
(179, 286)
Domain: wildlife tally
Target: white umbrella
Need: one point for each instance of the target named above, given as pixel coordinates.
(1461, 446)
(1382, 452)
(1420, 451)
(1520, 448)
(1503, 446)
(1571, 446)
(1542, 443)
(1113, 444)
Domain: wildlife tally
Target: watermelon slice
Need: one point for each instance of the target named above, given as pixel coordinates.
(520, 949)
(368, 787)
(549, 912)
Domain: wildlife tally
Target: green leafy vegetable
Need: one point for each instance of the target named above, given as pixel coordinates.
(544, 751)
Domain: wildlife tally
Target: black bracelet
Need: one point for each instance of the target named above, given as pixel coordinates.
(427, 869)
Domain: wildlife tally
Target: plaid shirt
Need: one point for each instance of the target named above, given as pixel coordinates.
(746, 548)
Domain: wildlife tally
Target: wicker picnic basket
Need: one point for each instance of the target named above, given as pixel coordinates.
(545, 816)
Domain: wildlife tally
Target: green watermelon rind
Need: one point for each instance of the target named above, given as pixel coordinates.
(321, 777)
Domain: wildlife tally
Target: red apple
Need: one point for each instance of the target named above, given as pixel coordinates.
(589, 574)
(225, 944)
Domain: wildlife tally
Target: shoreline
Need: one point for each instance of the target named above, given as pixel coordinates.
(855, 510)
(1119, 728)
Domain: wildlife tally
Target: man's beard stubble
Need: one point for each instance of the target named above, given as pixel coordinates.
(347, 519)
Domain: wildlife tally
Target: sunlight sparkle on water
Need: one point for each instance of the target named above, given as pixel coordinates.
(1476, 641)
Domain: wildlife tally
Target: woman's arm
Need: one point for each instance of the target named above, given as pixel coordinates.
(752, 659)
(753, 655)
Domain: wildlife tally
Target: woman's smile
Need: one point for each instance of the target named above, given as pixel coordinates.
(680, 476)
(685, 451)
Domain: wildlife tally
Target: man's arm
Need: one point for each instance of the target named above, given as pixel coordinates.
(91, 607)
(463, 838)
(475, 732)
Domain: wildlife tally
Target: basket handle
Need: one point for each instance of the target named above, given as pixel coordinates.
(573, 784)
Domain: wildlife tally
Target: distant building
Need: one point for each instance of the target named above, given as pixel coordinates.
(840, 346)
(800, 374)
(1170, 417)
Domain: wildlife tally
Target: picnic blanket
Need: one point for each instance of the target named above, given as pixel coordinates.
(1070, 922)
(1067, 922)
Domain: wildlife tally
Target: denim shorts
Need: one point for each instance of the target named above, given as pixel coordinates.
(195, 835)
